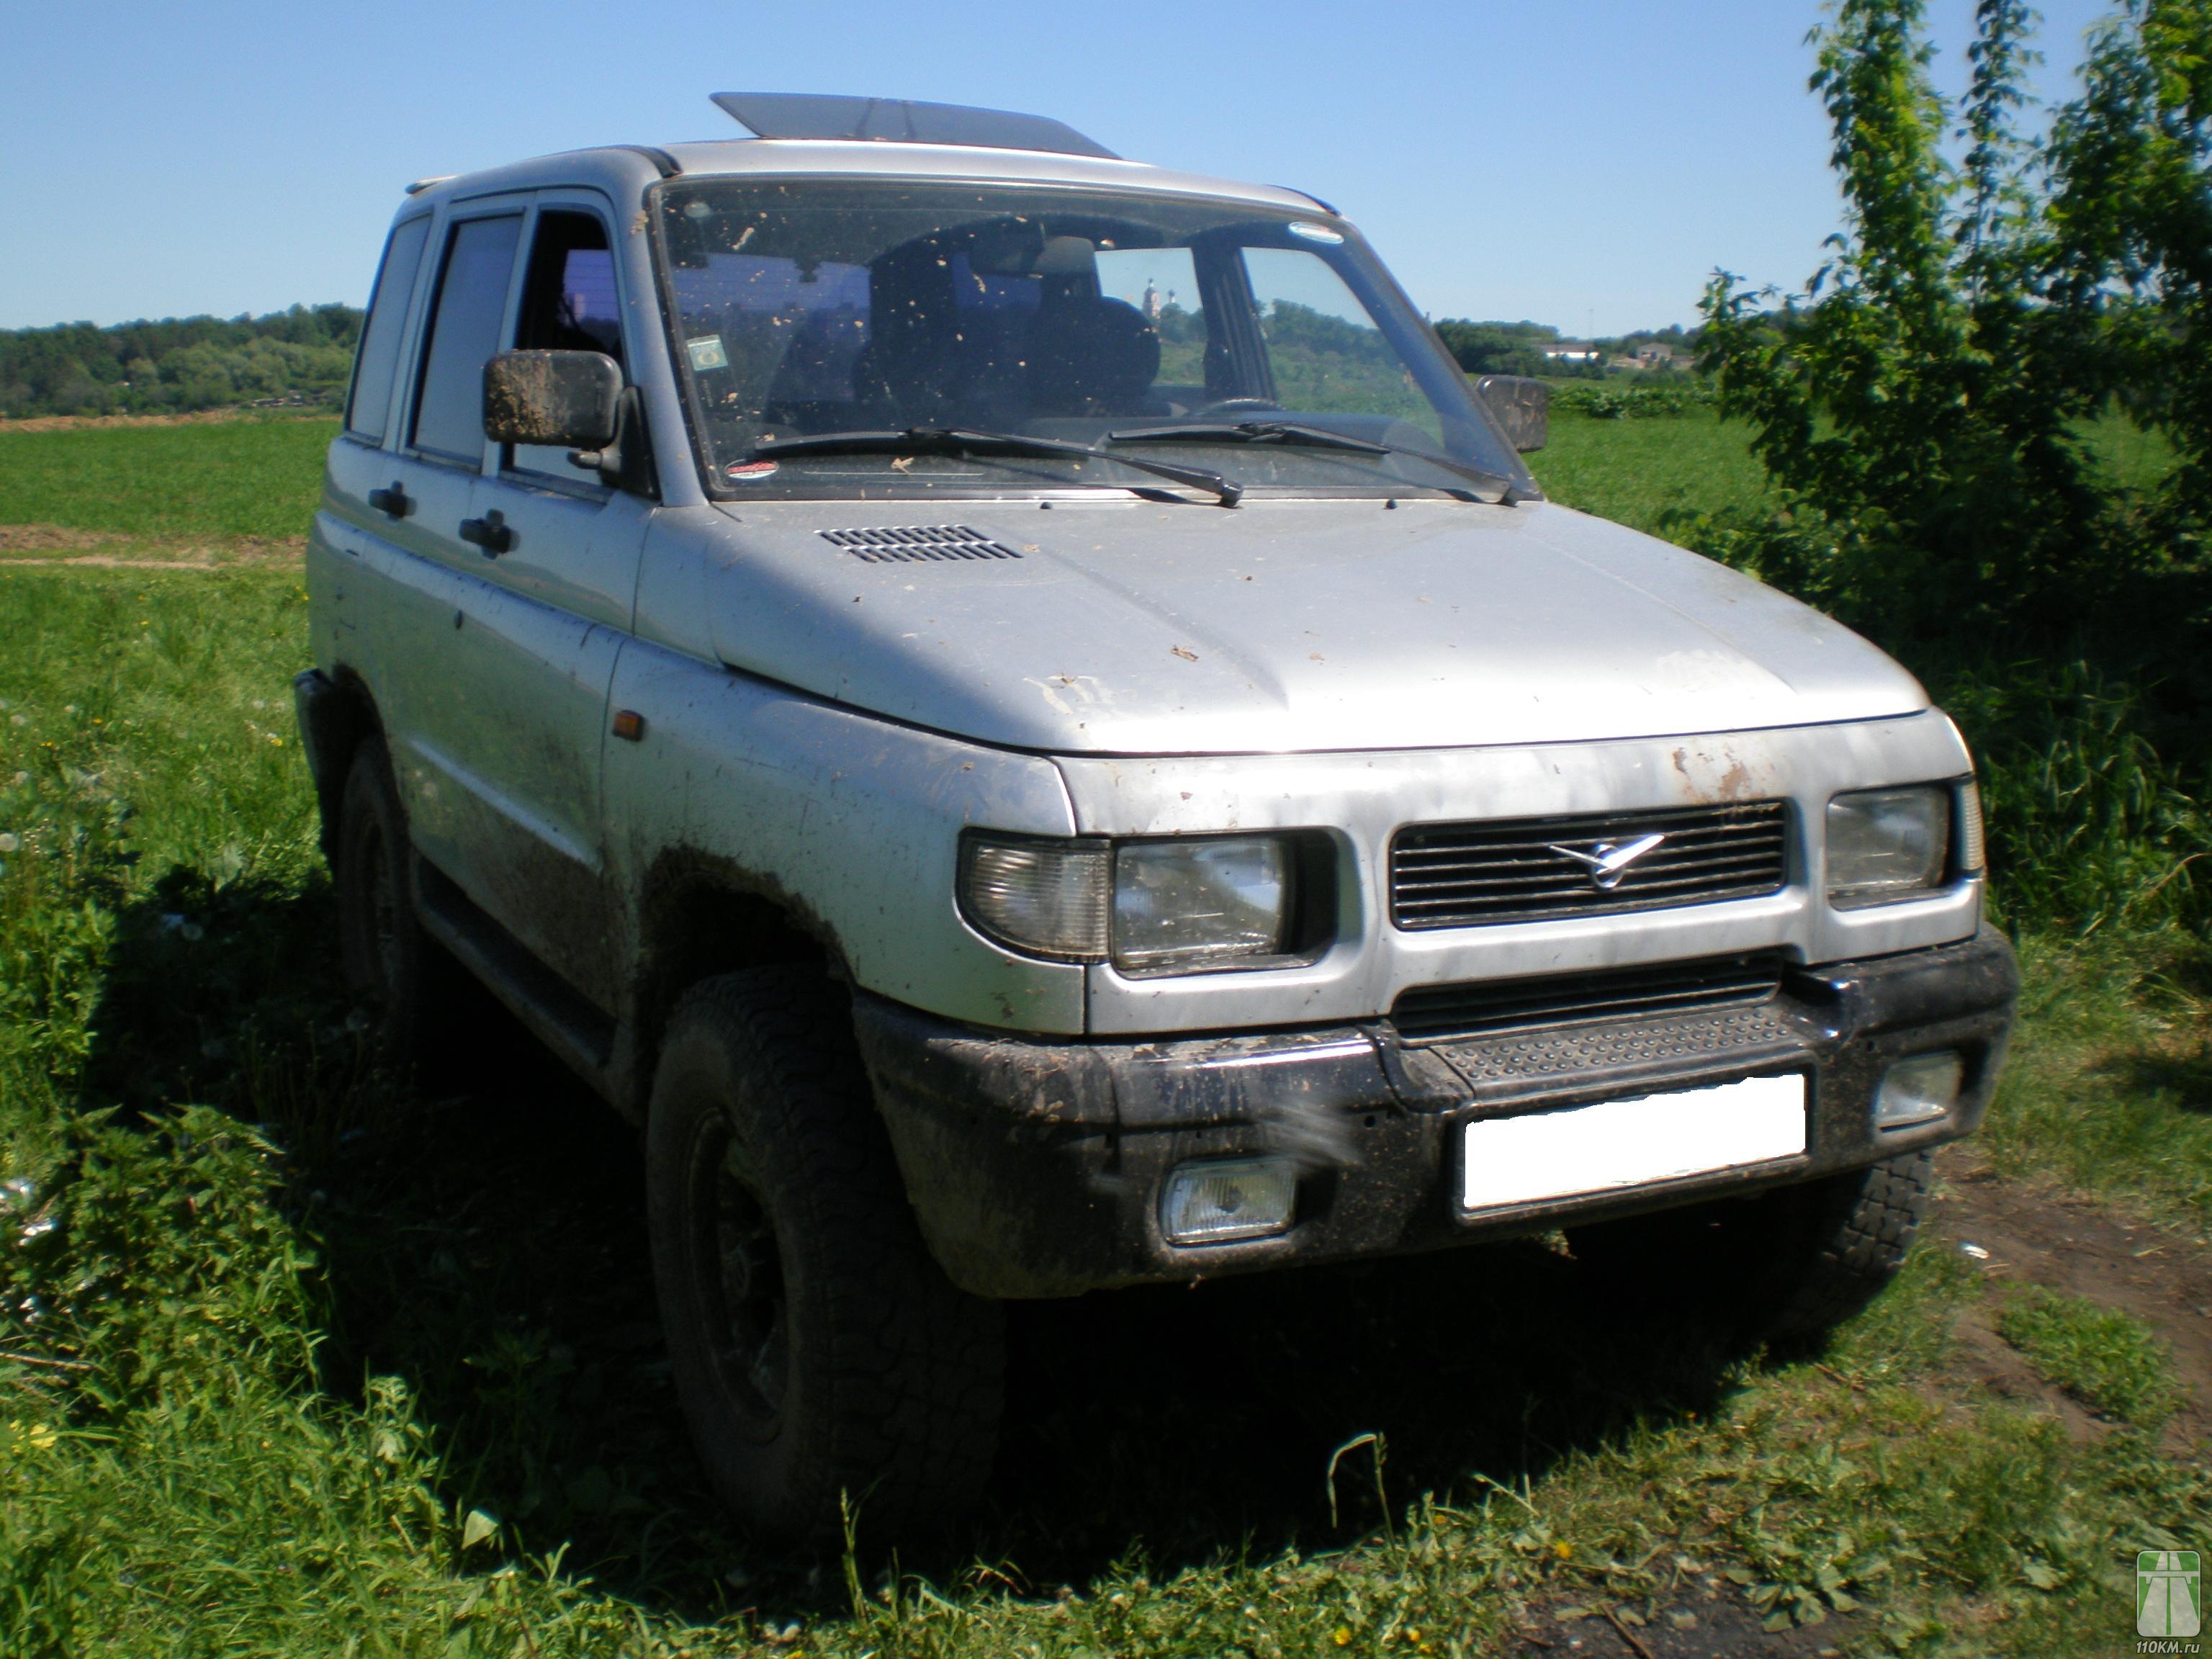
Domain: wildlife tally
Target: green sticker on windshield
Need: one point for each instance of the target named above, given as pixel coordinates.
(706, 352)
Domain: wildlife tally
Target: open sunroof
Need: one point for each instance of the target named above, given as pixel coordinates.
(901, 121)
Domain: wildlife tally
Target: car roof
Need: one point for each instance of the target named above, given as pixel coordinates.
(622, 169)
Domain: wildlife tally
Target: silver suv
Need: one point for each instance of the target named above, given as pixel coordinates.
(1019, 715)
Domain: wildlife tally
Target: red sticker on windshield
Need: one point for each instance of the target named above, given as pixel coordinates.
(749, 472)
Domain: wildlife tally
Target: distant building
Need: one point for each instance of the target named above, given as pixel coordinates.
(1570, 351)
(1654, 356)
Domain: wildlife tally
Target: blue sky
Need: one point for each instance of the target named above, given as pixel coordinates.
(1583, 162)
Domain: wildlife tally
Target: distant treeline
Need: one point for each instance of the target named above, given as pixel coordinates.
(301, 355)
(1495, 348)
(304, 355)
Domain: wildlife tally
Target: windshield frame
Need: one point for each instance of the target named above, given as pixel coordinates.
(1413, 338)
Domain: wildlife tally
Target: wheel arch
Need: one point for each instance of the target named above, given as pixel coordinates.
(700, 915)
(337, 713)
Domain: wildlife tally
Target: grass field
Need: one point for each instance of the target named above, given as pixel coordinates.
(296, 1362)
(1638, 472)
(210, 483)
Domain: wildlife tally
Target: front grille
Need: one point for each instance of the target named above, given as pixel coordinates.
(917, 544)
(1464, 875)
(1436, 1013)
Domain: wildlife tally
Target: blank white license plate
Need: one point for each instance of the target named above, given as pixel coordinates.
(1632, 1143)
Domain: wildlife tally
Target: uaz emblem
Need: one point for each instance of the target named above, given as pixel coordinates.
(1608, 863)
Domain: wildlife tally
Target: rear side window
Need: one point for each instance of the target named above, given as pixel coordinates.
(463, 334)
(378, 359)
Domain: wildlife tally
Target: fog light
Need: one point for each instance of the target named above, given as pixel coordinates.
(1212, 1202)
(1918, 1090)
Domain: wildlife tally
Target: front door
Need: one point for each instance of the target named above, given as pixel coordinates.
(506, 641)
(541, 654)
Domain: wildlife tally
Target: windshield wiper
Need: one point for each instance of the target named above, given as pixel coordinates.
(1248, 432)
(960, 441)
(1316, 437)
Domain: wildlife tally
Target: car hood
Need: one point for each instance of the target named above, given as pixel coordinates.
(1135, 627)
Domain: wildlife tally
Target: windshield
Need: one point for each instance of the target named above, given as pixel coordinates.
(1207, 333)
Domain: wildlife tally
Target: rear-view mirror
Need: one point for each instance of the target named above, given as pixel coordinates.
(566, 399)
(1522, 406)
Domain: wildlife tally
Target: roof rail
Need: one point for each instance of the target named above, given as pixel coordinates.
(421, 185)
(901, 121)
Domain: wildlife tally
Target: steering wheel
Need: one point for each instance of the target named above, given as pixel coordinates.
(1236, 405)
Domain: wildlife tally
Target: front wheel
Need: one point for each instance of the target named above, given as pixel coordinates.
(1785, 1266)
(820, 1352)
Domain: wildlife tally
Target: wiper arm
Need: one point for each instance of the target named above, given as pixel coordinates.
(1317, 437)
(1249, 432)
(960, 441)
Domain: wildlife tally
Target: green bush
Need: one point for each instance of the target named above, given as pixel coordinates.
(1604, 402)
(1928, 411)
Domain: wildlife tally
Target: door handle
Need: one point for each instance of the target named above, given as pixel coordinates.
(392, 502)
(491, 533)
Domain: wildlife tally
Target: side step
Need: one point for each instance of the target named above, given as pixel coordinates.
(590, 1043)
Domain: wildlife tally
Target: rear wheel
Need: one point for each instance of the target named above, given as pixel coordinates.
(410, 982)
(1786, 1266)
(819, 1351)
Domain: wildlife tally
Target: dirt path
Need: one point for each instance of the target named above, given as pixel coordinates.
(54, 545)
(2035, 1234)
(198, 418)
(1713, 1624)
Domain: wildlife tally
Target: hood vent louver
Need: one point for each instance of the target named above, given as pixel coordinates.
(925, 543)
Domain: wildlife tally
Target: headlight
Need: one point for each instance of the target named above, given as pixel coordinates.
(1153, 906)
(1181, 905)
(1885, 845)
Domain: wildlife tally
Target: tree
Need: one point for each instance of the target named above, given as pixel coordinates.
(1923, 409)
(198, 362)
(1495, 348)
(1922, 405)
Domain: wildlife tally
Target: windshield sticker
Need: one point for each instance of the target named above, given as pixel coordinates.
(706, 352)
(749, 472)
(1315, 233)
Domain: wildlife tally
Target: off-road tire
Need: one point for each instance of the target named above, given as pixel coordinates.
(1784, 1267)
(407, 978)
(846, 1362)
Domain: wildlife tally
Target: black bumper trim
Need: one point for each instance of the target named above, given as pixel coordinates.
(1035, 1167)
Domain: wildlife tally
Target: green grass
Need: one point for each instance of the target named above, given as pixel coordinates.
(2108, 1361)
(1636, 471)
(2109, 1085)
(299, 1361)
(211, 481)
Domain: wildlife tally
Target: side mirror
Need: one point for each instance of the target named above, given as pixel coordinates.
(1522, 406)
(569, 399)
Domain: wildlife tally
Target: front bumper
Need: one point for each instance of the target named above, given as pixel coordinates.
(1035, 1168)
